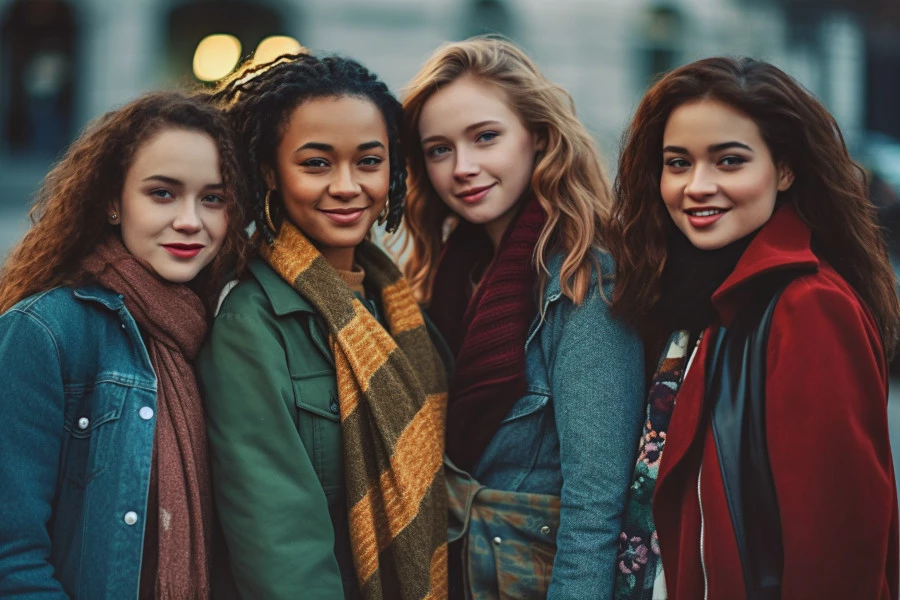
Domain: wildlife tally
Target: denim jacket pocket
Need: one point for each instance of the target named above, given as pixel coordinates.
(318, 423)
(514, 449)
(91, 413)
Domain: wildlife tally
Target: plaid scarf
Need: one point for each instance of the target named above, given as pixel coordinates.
(638, 563)
(392, 393)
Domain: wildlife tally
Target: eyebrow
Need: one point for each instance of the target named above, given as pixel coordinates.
(177, 182)
(711, 149)
(329, 148)
(477, 125)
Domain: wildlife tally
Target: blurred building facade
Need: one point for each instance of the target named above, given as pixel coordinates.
(64, 62)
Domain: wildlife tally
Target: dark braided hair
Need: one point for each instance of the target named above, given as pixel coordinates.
(260, 100)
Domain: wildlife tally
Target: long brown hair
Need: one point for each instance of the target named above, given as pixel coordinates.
(568, 178)
(829, 189)
(69, 217)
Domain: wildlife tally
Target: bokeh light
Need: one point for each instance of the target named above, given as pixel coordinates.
(216, 56)
(274, 46)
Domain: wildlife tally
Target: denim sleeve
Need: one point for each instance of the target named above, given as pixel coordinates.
(32, 408)
(596, 369)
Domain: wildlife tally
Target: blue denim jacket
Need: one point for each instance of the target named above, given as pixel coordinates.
(574, 434)
(78, 404)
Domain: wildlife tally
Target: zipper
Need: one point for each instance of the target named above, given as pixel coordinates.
(702, 528)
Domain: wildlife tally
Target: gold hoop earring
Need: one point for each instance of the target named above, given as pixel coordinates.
(383, 215)
(268, 214)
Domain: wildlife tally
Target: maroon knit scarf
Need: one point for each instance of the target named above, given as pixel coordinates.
(172, 320)
(487, 331)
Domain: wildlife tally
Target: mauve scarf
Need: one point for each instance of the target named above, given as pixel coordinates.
(487, 331)
(172, 320)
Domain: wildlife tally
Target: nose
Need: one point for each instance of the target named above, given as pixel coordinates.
(188, 218)
(702, 183)
(465, 165)
(343, 185)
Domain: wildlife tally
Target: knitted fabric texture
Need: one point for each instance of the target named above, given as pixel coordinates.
(638, 562)
(392, 393)
(488, 333)
(172, 321)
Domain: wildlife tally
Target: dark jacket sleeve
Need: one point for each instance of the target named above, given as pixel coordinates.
(273, 509)
(828, 445)
(32, 407)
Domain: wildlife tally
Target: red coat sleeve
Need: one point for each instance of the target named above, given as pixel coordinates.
(828, 444)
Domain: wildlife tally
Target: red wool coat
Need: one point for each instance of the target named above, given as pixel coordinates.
(826, 419)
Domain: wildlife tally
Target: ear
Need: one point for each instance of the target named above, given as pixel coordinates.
(540, 141)
(269, 176)
(785, 177)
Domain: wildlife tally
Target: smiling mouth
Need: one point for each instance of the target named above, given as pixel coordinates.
(180, 250)
(705, 212)
(344, 215)
(475, 194)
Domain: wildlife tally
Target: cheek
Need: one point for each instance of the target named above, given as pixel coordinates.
(670, 190)
(438, 174)
(217, 226)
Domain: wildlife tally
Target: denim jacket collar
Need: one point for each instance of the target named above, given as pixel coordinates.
(101, 295)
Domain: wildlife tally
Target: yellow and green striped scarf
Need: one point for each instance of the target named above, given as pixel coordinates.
(392, 392)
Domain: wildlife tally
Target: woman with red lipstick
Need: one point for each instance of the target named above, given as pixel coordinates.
(325, 393)
(546, 398)
(743, 228)
(106, 487)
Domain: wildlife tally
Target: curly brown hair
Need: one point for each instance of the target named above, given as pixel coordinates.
(829, 189)
(69, 216)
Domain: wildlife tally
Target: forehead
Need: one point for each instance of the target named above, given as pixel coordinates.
(322, 119)
(179, 153)
(705, 122)
(464, 101)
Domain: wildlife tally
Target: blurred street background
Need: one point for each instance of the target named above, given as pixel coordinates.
(65, 62)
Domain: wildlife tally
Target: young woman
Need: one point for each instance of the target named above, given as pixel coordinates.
(326, 397)
(735, 185)
(106, 489)
(546, 399)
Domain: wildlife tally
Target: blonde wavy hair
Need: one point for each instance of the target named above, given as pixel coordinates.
(568, 178)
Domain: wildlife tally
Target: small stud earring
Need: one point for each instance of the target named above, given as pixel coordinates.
(114, 217)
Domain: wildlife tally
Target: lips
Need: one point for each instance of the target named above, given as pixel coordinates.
(181, 250)
(704, 217)
(475, 194)
(344, 215)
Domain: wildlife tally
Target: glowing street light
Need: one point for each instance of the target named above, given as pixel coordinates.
(216, 56)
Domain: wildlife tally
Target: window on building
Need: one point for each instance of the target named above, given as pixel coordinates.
(36, 77)
(663, 32)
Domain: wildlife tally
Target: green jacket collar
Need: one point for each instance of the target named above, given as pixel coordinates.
(285, 299)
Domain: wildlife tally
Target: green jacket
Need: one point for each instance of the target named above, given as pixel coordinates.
(275, 436)
(269, 383)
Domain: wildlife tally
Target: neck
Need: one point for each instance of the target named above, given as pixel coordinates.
(341, 259)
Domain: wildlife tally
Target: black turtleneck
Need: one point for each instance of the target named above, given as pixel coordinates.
(690, 278)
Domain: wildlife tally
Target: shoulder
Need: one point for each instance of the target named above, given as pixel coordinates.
(602, 266)
(822, 309)
(63, 307)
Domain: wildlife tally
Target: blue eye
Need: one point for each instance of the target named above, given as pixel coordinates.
(436, 151)
(486, 136)
(213, 199)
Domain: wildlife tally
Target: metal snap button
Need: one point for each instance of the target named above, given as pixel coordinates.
(83, 423)
(130, 517)
(545, 529)
(333, 407)
(146, 413)
(497, 541)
